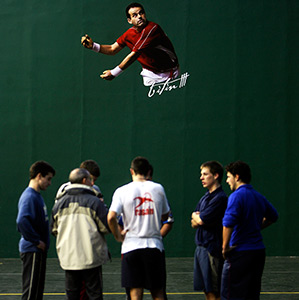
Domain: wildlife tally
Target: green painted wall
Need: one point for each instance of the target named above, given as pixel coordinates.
(239, 102)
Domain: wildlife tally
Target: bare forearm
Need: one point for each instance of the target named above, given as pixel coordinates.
(109, 49)
(88, 43)
(113, 225)
(165, 229)
(128, 60)
(227, 232)
(226, 248)
(196, 220)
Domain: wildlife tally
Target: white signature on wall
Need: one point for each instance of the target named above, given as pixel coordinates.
(168, 86)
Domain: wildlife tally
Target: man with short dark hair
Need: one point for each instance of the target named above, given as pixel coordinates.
(94, 170)
(207, 220)
(143, 204)
(247, 213)
(92, 167)
(33, 224)
(148, 44)
(79, 222)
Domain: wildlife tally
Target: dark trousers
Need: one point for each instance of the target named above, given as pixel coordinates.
(34, 272)
(93, 283)
(128, 296)
(83, 295)
(242, 275)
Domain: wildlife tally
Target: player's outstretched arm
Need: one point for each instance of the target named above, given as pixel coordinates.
(110, 49)
(127, 61)
(88, 43)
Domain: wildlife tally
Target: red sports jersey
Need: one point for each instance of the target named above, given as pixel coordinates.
(156, 50)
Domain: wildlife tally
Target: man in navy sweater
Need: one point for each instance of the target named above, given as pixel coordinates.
(247, 213)
(207, 220)
(33, 224)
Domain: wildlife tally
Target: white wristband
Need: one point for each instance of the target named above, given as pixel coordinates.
(116, 71)
(96, 47)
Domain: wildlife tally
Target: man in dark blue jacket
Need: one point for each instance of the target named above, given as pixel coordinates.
(33, 224)
(247, 213)
(207, 219)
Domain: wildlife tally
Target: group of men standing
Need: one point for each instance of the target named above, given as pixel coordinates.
(229, 257)
(80, 220)
(230, 254)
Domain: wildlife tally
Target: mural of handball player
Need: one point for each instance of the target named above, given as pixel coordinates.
(148, 44)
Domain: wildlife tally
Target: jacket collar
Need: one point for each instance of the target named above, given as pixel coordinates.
(80, 186)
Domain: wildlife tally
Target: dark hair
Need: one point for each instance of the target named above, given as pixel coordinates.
(92, 167)
(151, 171)
(240, 168)
(140, 165)
(215, 167)
(134, 4)
(77, 175)
(40, 167)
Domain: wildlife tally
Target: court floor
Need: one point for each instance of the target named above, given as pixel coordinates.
(280, 280)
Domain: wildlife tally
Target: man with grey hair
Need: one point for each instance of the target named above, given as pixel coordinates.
(79, 222)
(79, 176)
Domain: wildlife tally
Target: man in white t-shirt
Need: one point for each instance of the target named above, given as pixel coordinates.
(143, 204)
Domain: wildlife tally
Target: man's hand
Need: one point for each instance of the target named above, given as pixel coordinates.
(226, 250)
(116, 230)
(107, 75)
(41, 246)
(123, 233)
(196, 220)
(194, 224)
(120, 234)
(195, 215)
(87, 41)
